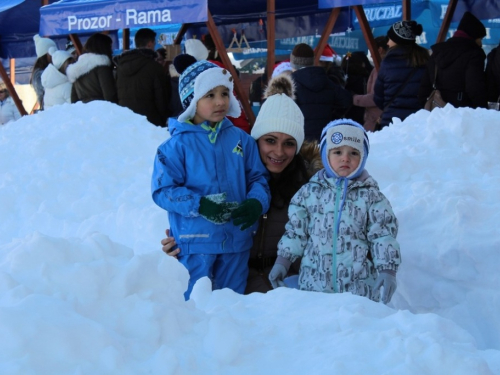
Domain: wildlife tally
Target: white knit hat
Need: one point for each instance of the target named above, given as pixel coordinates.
(196, 48)
(198, 79)
(59, 57)
(42, 45)
(279, 113)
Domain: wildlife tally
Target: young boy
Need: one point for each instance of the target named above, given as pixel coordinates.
(340, 224)
(210, 179)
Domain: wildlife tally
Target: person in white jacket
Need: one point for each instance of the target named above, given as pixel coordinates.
(8, 109)
(54, 80)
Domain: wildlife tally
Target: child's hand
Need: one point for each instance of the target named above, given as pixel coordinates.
(387, 279)
(247, 213)
(169, 246)
(277, 275)
(215, 209)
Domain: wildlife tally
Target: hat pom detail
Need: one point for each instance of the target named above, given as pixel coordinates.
(281, 84)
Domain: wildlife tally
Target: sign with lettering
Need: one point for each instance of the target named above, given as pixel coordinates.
(86, 16)
(322, 4)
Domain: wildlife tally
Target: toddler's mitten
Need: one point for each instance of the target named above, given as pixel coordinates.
(214, 208)
(387, 279)
(247, 213)
(279, 271)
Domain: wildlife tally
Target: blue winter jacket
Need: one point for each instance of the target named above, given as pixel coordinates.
(392, 74)
(198, 161)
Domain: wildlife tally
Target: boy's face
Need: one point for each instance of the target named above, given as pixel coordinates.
(213, 106)
(344, 160)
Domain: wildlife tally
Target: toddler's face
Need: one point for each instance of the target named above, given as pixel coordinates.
(213, 106)
(344, 160)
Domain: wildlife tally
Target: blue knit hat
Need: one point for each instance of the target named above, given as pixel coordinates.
(198, 79)
(344, 132)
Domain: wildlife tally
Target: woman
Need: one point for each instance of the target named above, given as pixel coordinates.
(357, 68)
(92, 75)
(55, 81)
(400, 73)
(372, 112)
(8, 109)
(279, 132)
(42, 46)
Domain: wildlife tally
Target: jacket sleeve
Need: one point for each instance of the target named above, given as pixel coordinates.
(294, 241)
(108, 84)
(382, 229)
(426, 83)
(367, 99)
(256, 175)
(167, 183)
(161, 93)
(378, 89)
(475, 81)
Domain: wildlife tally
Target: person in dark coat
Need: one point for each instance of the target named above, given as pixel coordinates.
(142, 83)
(357, 69)
(493, 75)
(460, 67)
(405, 60)
(92, 74)
(319, 99)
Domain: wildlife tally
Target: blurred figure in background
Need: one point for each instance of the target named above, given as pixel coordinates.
(54, 80)
(400, 73)
(42, 46)
(357, 70)
(8, 109)
(372, 112)
(460, 67)
(92, 75)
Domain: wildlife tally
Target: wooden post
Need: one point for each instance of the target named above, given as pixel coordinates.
(271, 40)
(326, 33)
(13, 71)
(242, 96)
(76, 43)
(126, 39)
(12, 90)
(181, 32)
(406, 10)
(368, 35)
(452, 5)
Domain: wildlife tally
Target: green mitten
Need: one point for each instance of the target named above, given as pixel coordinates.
(214, 208)
(247, 213)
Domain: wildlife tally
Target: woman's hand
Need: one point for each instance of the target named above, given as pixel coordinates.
(168, 244)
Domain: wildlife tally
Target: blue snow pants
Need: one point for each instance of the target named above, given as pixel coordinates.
(229, 270)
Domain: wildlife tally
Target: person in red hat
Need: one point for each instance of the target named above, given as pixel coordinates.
(330, 61)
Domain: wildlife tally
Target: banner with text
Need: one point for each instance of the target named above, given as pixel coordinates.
(84, 16)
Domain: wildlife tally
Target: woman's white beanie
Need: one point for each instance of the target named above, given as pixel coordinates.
(42, 45)
(279, 113)
(196, 48)
(58, 57)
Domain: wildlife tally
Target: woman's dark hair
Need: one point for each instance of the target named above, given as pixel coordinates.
(293, 177)
(99, 44)
(413, 53)
(40, 64)
(356, 63)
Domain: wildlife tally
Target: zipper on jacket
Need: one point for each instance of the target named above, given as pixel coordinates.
(335, 235)
(260, 254)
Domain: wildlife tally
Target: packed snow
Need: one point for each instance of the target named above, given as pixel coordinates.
(86, 289)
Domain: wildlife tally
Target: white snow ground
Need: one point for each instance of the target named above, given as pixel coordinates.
(86, 289)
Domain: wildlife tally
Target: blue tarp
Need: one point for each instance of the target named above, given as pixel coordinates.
(84, 16)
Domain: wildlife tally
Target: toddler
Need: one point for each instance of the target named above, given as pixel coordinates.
(340, 224)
